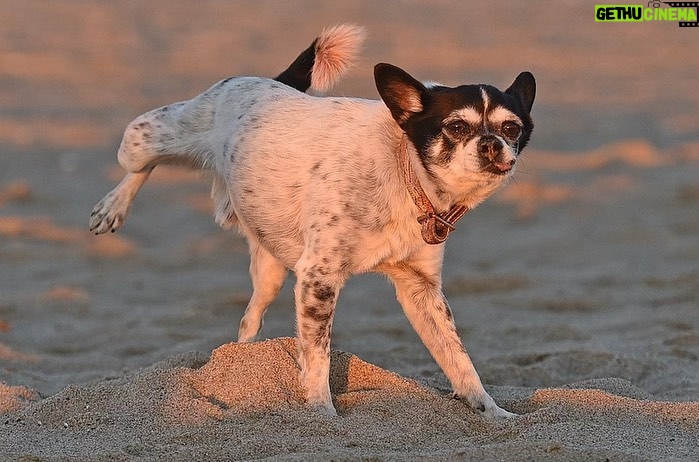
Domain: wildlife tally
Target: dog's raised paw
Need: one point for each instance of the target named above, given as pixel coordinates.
(108, 214)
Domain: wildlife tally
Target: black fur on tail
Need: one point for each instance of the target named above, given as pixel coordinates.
(298, 74)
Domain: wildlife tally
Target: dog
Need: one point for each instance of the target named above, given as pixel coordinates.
(329, 187)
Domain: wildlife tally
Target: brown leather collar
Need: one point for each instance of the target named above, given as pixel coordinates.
(435, 226)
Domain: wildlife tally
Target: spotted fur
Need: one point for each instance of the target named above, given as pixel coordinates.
(314, 185)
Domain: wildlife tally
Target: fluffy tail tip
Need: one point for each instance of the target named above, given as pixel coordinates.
(336, 49)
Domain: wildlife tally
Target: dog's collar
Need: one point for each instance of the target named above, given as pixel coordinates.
(435, 226)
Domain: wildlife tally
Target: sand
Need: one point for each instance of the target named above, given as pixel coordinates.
(574, 288)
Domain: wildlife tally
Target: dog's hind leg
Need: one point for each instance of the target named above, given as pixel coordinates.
(418, 288)
(268, 276)
(224, 215)
(110, 212)
(157, 137)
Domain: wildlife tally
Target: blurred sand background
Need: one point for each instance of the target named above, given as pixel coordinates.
(574, 288)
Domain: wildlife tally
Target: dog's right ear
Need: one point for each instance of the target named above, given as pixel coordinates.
(403, 95)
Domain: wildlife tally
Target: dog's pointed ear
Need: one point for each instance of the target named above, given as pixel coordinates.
(403, 95)
(524, 89)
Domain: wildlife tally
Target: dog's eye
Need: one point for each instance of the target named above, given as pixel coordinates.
(511, 130)
(457, 128)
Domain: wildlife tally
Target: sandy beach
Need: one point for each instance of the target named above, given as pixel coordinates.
(574, 288)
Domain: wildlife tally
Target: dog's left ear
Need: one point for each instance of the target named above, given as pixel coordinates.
(403, 95)
(524, 89)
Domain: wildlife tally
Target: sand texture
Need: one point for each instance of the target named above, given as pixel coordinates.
(575, 288)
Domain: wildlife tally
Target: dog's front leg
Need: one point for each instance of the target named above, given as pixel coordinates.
(315, 293)
(418, 288)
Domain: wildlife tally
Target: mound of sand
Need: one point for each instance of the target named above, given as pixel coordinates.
(245, 402)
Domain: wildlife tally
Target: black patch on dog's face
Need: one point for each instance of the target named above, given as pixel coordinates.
(429, 125)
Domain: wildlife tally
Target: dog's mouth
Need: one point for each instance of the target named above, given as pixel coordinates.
(499, 167)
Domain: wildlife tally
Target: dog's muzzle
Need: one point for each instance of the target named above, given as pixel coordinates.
(493, 159)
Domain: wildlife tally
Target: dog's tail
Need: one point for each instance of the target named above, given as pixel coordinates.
(322, 64)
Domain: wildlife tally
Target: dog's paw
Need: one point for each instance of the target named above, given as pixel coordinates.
(485, 406)
(324, 409)
(109, 213)
(495, 412)
(321, 403)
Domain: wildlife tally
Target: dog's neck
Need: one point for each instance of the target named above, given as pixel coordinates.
(436, 226)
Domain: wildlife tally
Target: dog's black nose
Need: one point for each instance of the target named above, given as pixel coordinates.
(490, 147)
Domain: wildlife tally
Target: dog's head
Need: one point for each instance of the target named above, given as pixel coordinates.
(468, 138)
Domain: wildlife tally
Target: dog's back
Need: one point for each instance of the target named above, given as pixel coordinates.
(188, 133)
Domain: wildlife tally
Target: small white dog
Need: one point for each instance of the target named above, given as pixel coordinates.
(330, 187)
